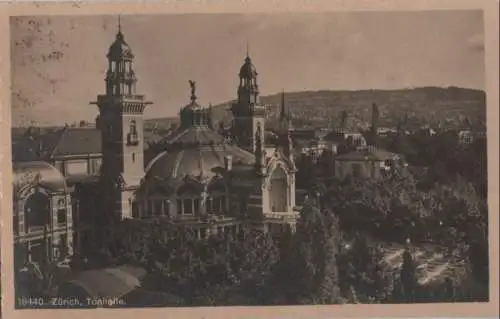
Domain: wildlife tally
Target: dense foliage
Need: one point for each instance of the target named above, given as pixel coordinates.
(248, 268)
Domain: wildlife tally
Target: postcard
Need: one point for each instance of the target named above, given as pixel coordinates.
(257, 159)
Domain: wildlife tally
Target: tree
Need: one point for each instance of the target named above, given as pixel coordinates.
(360, 268)
(386, 207)
(408, 277)
(307, 271)
(222, 270)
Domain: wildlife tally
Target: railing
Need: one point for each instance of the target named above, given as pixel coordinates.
(35, 229)
(281, 215)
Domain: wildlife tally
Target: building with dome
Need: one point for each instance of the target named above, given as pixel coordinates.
(198, 176)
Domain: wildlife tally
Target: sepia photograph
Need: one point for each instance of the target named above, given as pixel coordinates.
(249, 159)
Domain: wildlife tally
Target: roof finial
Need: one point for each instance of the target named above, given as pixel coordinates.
(119, 24)
(247, 50)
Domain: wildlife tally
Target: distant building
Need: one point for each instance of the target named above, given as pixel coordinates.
(387, 131)
(469, 136)
(316, 148)
(346, 139)
(367, 162)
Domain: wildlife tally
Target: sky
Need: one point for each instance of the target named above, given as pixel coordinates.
(59, 62)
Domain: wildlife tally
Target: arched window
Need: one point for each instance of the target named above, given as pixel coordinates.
(37, 212)
(61, 211)
(188, 200)
(216, 200)
(278, 198)
(133, 136)
(133, 127)
(159, 201)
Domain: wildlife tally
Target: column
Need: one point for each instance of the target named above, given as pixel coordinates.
(79, 229)
(21, 221)
(203, 203)
(69, 225)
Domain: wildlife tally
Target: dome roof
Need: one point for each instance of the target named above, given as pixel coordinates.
(193, 135)
(193, 106)
(248, 70)
(200, 162)
(38, 173)
(120, 49)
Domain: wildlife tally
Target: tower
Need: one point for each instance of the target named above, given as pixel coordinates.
(248, 113)
(121, 123)
(285, 118)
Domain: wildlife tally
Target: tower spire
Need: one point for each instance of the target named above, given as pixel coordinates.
(119, 26)
(283, 108)
(247, 50)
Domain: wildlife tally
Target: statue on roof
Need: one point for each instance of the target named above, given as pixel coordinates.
(192, 84)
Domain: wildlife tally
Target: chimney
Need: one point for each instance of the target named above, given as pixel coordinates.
(228, 163)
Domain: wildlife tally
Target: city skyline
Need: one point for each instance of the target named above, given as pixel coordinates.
(69, 51)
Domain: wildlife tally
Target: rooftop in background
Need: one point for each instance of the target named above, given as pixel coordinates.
(46, 143)
(369, 153)
(37, 144)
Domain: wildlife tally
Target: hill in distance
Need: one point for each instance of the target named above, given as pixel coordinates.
(426, 105)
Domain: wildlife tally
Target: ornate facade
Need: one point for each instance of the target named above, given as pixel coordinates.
(199, 177)
(42, 211)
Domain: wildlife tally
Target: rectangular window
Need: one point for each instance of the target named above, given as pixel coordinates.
(209, 205)
(188, 206)
(166, 207)
(61, 212)
(216, 208)
(77, 168)
(197, 206)
(356, 170)
(135, 210)
(95, 166)
(61, 216)
(63, 246)
(223, 204)
(148, 210)
(179, 206)
(158, 210)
